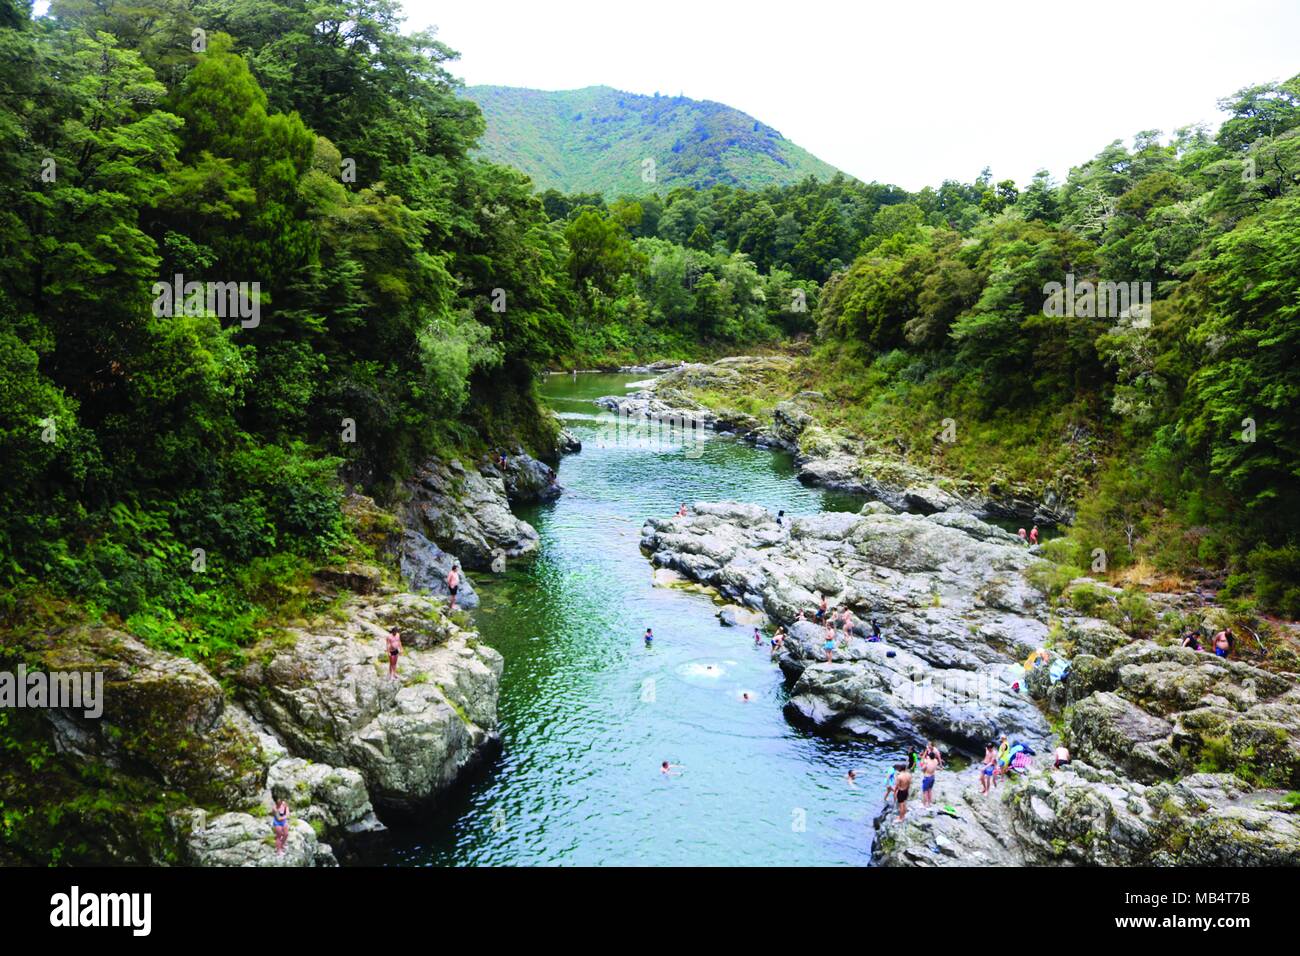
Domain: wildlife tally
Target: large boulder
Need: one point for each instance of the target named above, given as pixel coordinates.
(161, 713)
(466, 514)
(948, 591)
(425, 567)
(326, 693)
(240, 839)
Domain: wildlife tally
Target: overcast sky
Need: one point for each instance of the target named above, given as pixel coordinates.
(910, 92)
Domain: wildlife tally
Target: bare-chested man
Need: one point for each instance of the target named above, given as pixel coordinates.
(929, 766)
(902, 787)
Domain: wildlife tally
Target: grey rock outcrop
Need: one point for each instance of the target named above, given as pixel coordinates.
(466, 514)
(326, 693)
(949, 592)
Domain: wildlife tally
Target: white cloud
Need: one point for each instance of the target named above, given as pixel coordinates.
(909, 93)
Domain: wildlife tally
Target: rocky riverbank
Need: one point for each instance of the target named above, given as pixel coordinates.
(826, 457)
(182, 765)
(1179, 756)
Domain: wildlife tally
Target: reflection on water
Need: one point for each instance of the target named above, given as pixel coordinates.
(588, 712)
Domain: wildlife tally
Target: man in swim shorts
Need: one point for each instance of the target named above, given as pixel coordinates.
(990, 762)
(394, 643)
(929, 767)
(453, 583)
(902, 787)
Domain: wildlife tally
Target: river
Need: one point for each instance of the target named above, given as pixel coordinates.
(588, 713)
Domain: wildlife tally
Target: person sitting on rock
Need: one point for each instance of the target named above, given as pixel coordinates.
(1222, 643)
(1062, 757)
(875, 630)
(1191, 640)
(681, 512)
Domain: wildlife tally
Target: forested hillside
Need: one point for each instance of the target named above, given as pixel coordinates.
(408, 293)
(603, 140)
(1167, 413)
(322, 158)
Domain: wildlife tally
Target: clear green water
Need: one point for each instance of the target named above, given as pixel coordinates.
(588, 713)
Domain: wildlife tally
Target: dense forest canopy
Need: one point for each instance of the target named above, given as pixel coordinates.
(408, 294)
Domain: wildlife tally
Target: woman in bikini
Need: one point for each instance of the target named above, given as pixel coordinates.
(280, 824)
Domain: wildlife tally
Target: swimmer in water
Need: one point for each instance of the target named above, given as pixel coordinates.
(670, 769)
(649, 637)
(681, 512)
(745, 697)
(853, 778)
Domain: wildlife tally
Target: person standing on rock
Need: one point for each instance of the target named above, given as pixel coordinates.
(829, 645)
(394, 650)
(453, 584)
(902, 789)
(1222, 643)
(1024, 539)
(821, 611)
(990, 765)
(929, 767)
(1033, 535)
(875, 630)
(280, 824)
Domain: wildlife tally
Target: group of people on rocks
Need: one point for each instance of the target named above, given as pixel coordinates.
(1031, 538)
(899, 782)
(1221, 643)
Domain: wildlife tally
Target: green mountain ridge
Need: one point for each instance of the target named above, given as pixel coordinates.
(597, 139)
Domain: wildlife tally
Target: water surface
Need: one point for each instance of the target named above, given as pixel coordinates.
(588, 713)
